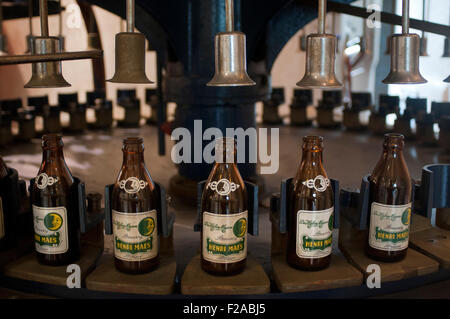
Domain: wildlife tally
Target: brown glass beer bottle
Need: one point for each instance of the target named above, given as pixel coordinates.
(3, 169)
(310, 211)
(134, 215)
(55, 215)
(3, 239)
(390, 203)
(224, 214)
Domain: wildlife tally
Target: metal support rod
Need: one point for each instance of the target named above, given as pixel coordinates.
(1, 17)
(130, 16)
(394, 6)
(322, 16)
(43, 12)
(405, 18)
(229, 9)
(364, 24)
(30, 16)
(65, 56)
(60, 19)
(385, 17)
(424, 17)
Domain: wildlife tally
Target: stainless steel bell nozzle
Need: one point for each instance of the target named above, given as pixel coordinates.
(405, 60)
(130, 53)
(94, 42)
(446, 48)
(303, 41)
(3, 45)
(230, 61)
(30, 44)
(423, 38)
(3, 42)
(423, 46)
(130, 59)
(388, 46)
(30, 37)
(320, 57)
(46, 74)
(405, 53)
(230, 55)
(62, 43)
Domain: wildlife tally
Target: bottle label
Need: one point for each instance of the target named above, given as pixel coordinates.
(225, 237)
(50, 230)
(2, 221)
(389, 226)
(314, 233)
(135, 235)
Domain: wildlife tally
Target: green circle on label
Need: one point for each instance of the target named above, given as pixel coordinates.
(330, 223)
(53, 221)
(406, 216)
(240, 227)
(146, 226)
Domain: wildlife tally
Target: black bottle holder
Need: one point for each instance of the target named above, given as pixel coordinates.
(132, 113)
(252, 204)
(165, 219)
(12, 191)
(279, 205)
(87, 220)
(434, 189)
(355, 204)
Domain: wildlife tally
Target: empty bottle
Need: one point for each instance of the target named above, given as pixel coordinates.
(390, 203)
(310, 211)
(134, 215)
(55, 215)
(224, 214)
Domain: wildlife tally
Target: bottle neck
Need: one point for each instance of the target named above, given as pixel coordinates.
(133, 159)
(53, 154)
(392, 153)
(312, 157)
(226, 158)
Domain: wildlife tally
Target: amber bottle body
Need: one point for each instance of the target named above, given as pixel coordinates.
(311, 211)
(55, 207)
(390, 204)
(134, 215)
(224, 216)
(5, 216)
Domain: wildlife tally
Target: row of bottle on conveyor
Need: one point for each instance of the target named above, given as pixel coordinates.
(333, 113)
(225, 208)
(18, 122)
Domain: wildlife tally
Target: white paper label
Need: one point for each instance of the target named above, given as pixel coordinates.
(2, 221)
(389, 226)
(50, 230)
(225, 237)
(135, 235)
(314, 233)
